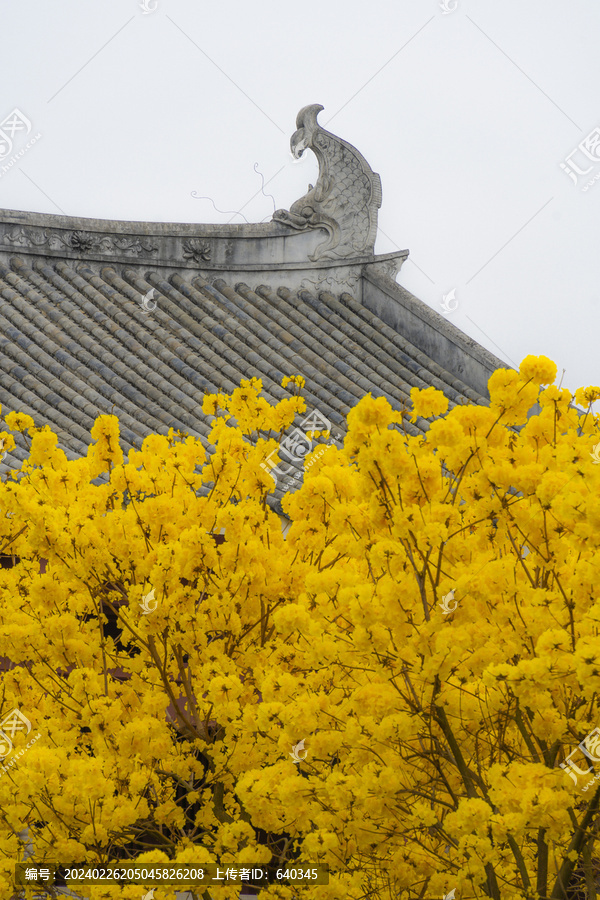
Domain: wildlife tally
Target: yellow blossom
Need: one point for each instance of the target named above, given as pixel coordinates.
(18, 421)
(538, 369)
(428, 402)
(585, 396)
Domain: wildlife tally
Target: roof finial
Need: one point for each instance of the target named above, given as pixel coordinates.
(346, 197)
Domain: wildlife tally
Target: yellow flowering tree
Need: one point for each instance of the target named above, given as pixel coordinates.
(133, 650)
(428, 629)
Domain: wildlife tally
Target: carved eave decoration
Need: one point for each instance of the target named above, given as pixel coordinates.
(346, 197)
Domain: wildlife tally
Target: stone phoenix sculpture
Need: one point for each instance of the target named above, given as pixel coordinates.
(346, 197)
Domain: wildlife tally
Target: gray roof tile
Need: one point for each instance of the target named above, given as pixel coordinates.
(75, 343)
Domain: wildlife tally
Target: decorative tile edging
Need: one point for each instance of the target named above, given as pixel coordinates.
(78, 242)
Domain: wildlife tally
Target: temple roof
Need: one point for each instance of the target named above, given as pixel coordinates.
(141, 319)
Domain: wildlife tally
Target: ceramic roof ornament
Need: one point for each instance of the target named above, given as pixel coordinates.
(345, 199)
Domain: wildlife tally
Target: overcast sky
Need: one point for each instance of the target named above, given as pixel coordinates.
(466, 112)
